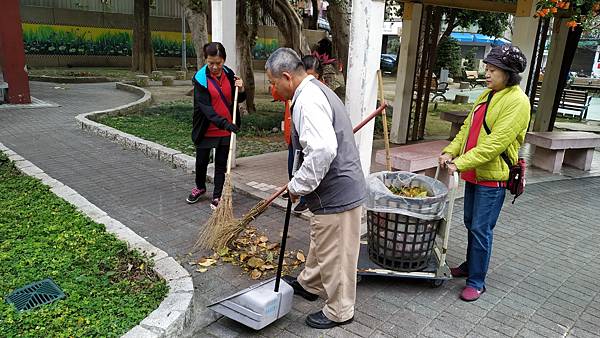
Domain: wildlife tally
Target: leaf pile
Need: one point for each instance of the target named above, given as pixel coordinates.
(255, 254)
(414, 192)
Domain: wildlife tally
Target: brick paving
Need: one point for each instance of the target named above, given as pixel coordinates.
(542, 280)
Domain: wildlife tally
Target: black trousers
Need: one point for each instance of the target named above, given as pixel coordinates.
(202, 159)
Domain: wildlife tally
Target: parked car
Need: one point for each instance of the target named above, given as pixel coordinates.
(388, 63)
(323, 24)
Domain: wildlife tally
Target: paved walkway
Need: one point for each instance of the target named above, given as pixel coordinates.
(542, 281)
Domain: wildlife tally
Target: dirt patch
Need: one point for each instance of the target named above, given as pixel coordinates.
(162, 94)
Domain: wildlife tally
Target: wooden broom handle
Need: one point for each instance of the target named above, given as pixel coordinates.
(232, 138)
(354, 130)
(386, 139)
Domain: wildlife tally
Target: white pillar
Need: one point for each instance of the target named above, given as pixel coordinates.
(411, 21)
(223, 25)
(525, 29)
(366, 31)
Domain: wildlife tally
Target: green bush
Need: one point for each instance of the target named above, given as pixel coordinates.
(449, 57)
(109, 289)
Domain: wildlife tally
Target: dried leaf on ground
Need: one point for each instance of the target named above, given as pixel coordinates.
(206, 262)
(300, 257)
(202, 270)
(255, 274)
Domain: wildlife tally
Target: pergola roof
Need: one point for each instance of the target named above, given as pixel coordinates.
(504, 6)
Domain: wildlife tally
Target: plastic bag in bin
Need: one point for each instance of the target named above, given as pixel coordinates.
(381, 199)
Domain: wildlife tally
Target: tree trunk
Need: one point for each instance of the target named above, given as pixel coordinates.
(451, 23)
(339, 20)
(199, 32)
(315, 14)
(142, 59)
(289, 24)
(245, 44)
(195, 15)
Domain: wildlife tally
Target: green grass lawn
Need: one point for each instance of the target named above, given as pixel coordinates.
(109, 288)
(170, 124)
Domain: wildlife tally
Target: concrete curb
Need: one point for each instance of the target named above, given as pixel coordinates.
(151, 149)
(174, 313)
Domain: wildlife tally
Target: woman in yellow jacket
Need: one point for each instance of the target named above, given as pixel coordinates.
(496, 125)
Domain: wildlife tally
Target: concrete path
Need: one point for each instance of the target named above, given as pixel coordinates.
(542, 281)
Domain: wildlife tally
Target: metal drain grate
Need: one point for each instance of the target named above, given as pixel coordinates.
(35, 294)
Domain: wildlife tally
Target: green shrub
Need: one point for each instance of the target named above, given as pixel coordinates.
(109, 288)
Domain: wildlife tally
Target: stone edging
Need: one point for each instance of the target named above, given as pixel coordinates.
(150, 149)
(69, 79)
(174, 313)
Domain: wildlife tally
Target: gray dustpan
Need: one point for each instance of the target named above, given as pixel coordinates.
(262, 303)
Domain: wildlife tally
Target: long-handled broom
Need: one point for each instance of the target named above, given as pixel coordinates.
(210, 235)
(386, 138)
(228, 231)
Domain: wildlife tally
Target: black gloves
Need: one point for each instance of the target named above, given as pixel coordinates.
(232, 127)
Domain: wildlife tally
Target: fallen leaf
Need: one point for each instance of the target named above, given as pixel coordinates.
(301, 257)
(268, 267)
(192, 263)
(272, 246)
(206, 262)
(243, 256)
(255, 262)
(255, 274)
(202, 270)
(263, 239)
(223, 251)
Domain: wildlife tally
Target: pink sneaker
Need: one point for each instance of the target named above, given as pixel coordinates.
(470, 294)
(458, 272)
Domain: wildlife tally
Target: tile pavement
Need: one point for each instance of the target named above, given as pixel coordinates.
(542, 279)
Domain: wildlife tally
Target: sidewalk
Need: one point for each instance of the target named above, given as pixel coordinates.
(542, 280)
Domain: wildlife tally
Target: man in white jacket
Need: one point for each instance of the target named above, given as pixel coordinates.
(331, 179)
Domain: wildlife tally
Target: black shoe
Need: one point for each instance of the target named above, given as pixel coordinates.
(319, 321)
(285, 196)
(299, 290)
(301, 207)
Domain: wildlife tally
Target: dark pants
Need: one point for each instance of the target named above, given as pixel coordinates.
(482, 208)
(202, 159)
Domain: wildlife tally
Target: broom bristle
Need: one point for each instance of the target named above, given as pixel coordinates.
(219, 222)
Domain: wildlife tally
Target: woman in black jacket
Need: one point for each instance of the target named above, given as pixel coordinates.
(214, 88)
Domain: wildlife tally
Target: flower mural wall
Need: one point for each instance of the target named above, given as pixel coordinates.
(42, 39)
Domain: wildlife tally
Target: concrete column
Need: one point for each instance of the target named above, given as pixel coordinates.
(406, 71)
(223, 24)
(12, 53)
(366, 31)
(558, 42)
(525, 29)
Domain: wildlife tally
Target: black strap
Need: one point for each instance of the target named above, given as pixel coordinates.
(504, 155)
(216, 84)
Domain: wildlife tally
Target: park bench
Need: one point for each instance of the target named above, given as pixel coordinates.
(417, 158)
(585, 83)
(3, 92)
(472, 76)
(552, 149)
(438, 89)
(573, 103)
(457, 118)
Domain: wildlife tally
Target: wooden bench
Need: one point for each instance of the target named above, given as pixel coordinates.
(457, 118)
(573, 103)
(417, 158)
(552, 149)
(472, 77)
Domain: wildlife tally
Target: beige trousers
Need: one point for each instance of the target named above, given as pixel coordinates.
(330, 267)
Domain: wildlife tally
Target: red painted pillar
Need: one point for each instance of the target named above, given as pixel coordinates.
(12, 53)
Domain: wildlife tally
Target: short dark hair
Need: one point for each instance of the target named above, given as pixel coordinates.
(311, 62)
(214, 49)
(325, 46)
(513, 79)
